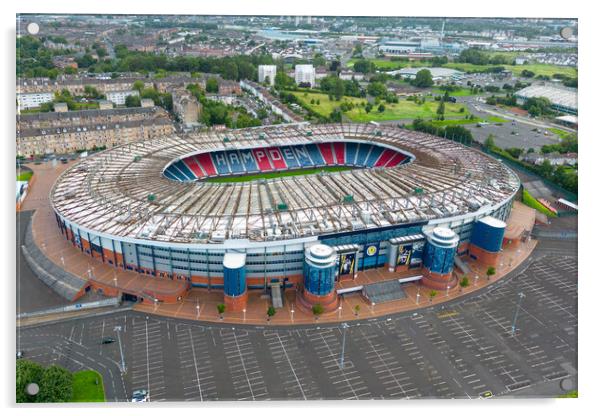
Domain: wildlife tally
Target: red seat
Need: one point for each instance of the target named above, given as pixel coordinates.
(339, 152)
(262, 159)
(326, 151)
(396, 160)
(384, 158)
(194, 167)
(276, 158)
(206, 163)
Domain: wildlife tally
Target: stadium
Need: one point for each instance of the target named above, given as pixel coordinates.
(295, 206)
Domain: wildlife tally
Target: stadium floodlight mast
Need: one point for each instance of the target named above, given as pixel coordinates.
(521, 295)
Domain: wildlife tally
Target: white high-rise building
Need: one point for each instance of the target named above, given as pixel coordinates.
(266, 71)
(305, 74)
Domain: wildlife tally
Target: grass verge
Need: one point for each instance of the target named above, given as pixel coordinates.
(85, 387)
(530, 201)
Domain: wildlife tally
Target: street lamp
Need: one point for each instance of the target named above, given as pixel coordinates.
(476, 279)
(244, 315)
(521, 295)
(63, 261)
(344, 326)
(373, 307)
(198, 311)
(447, 292)
(340, 310)
(118, 330)
(417, 298)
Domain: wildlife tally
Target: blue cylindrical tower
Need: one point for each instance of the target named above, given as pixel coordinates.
(438, 257)
(488, 234)
(319, 269)
(235, 284)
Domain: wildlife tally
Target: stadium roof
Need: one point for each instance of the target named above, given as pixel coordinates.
(110, 191)
(564, 97)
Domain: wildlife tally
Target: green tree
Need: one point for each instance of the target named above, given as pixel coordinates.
(132, 101)
(381, 108)
(271, 312)
(490, 272)
(464, 282)
(423, 79)
(368, 107)
(377, 89)
(56, 385)
(212, 85)
(221, 308)
(27, 372)
(356, 310)
(490, 142)
(317, 310)
(138, 85)
(441, 109)
(432, 295)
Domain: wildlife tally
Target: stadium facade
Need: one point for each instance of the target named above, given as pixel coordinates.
(408, 201)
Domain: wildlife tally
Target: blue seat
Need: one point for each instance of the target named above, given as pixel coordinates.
(374, 155)
(248, 161)
(288, 155)
(303, 155)
(315, 155)
(234, 160)
(187, 174)
(350, 151)
(362, 154)
(220, 162)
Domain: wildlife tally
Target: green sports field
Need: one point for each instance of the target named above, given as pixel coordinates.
(404, 110)
(273, 175)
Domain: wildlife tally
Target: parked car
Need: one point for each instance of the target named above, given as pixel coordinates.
(20, 354)
(139, 396)
(107, 340)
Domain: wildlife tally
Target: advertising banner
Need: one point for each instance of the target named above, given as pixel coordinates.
(404, 253)
(346, 263)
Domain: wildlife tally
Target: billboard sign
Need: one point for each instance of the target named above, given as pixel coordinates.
(404, 253)
(346, 264)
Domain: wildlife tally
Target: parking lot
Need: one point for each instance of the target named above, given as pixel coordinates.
(463, 349)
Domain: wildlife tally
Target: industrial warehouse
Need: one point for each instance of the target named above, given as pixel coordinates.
(408, 201)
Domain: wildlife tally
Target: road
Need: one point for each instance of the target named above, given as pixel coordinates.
(462, 349)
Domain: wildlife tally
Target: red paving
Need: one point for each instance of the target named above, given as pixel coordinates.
(202, 304)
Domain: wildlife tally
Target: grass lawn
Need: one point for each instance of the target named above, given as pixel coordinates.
(538, 69)
(272, 175)
(404, 110)
(24, 176)
(464, 92)
(560, 133)
(387, 65)
(85, 389)
(457, 122)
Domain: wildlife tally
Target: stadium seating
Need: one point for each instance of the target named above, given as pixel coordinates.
(236, 162)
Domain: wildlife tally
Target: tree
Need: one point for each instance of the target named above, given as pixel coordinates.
(464, 282)
(423, 79)
(377, 89)
(271, 312)
(221, 308)
(368, 107)
(381, 108)
(336, 116)
(441, 110)
(138, 85)
(212, 85)
(27, 372)
(490, 272)
(317, 310)
(356, 310)
(490, 142)
(56, 385)
(432, 295)
(132, 101)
